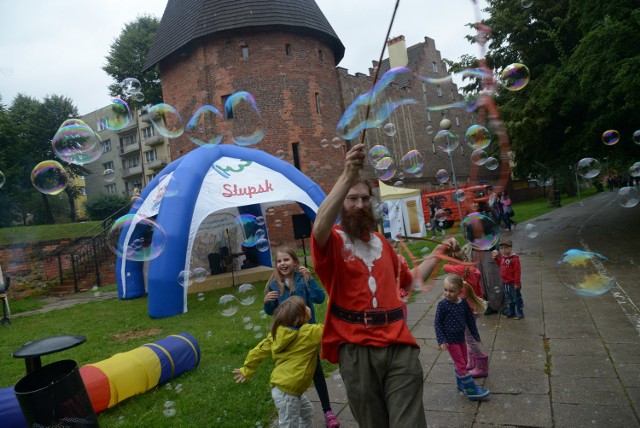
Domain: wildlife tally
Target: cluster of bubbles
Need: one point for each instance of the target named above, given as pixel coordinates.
(336, 143)
(169, 409)
(253, 230)
(589, 168)
(131, 88)
(188, 277)
(257, 329)
(583, 272)
(245, 296)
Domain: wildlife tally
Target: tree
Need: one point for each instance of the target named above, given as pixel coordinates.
(583, 58)
(128, 54)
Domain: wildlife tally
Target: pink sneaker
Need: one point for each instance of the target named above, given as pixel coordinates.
(331, 420)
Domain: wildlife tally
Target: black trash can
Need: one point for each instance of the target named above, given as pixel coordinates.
(55, 395)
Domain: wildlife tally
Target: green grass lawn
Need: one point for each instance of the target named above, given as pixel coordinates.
(26, 234)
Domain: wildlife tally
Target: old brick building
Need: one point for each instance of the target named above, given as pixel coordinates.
(285, 54)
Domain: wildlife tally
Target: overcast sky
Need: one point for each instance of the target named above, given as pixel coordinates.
(58, 47)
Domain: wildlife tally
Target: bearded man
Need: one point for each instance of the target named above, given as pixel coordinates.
(365, 331)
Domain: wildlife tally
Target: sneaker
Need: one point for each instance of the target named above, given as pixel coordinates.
(331, 420)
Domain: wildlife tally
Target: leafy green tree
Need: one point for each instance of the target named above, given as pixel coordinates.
(128, 54)
(583, 59)
(105, 205)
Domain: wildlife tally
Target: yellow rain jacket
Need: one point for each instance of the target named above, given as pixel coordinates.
(294, 352)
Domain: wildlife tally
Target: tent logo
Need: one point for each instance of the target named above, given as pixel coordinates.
(235, 190)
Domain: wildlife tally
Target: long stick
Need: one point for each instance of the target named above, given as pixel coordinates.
(435, 241)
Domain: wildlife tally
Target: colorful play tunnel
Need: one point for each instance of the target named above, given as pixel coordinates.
(115, 379)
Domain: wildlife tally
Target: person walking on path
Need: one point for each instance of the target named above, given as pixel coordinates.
(293, 344)
(365, 330)
(453, 316)
(510, 273)
(291, 279)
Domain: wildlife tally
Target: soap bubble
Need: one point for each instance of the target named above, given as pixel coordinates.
(610, 137)
(526, 4)
(336, 142)
(200, 297)
(146, 242)
(247, 121)
(116, 116)
(429, 129)
(324, 143)
(260, 221)
(385, 168)
(2, 179)
(480, 231)
(185, 278)
(398, 183)
(636, 137)
(109, 175)
(277, 223)
(250, 229)
(281, 154)
(531, 230)
(378, 152)
(588, 168)
(228, 304)
(49, 177)
(515, 77)
(166, 120)
(202, 127)
(389, 129)
(479, 157)
(446, 141)
(584, 273)
(627, 197)
(246, 294)
(75, 142)
(477, 137)
(634, 170)
(130, 85)
(412, 162)
(168, 185)
(442, 176)
(491, 163)
(138, 96)
(460, 195)
(262, 245)
(169, 412)
(199, 274)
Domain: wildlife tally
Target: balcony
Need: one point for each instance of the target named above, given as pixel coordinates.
(132, 171)
(148, 117)
(130, 126)
(153, 140)
(157, 164)
(129, 149)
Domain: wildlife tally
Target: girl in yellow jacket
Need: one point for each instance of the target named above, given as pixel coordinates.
(293, 344)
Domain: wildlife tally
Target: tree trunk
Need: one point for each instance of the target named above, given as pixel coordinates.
(48, 215)
(72, 206)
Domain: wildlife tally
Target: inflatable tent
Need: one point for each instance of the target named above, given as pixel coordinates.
(402, 213)
(208, 183)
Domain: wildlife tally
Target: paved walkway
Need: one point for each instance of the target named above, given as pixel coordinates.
(571, 362)
(53, 303)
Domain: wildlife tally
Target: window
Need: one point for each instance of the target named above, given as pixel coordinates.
(102, 124)
(451, 95)
(128, 140)
(150, 156)
(107, 165)
(151, 176)
(131, 162)
(318, 102)
(245, 51)
(434, 66)
(296, 155)
(320, 55)
(110, 188)
(287, 49)
(228, 112)
(106, 146)
(457, 121)
(147, 132)
(439, 90)
(429, 115)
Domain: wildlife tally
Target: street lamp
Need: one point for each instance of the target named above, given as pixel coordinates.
(445, 124)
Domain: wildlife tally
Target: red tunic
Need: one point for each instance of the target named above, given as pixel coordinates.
(346, 277)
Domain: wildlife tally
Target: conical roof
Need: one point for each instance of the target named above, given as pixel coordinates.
(187, 20)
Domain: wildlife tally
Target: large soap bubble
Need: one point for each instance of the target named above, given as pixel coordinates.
(75, 142)
(588, 168)
(49, 177)
(480, 231)
(628, 197)
(583, 272)
(146, 242)
(515, 77)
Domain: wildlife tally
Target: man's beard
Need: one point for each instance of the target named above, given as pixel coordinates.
(358, 223)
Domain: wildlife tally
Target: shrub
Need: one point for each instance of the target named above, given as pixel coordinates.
(103, 206)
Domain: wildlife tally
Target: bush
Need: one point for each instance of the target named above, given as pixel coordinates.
(103, 206)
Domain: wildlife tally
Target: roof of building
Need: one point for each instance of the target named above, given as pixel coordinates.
(187, 20)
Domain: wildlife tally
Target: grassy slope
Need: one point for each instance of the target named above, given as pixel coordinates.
(26, 234)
